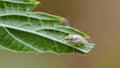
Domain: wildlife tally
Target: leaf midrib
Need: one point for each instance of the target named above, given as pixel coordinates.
(45, 36)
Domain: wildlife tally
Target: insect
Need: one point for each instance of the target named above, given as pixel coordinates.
(77, 39)
(65, 22)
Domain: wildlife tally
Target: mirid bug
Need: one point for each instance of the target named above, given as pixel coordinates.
(77, 39)
(65, 22)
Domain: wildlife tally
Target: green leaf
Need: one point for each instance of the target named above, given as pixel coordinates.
(27, 31)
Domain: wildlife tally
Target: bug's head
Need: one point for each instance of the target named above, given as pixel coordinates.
(70, 37)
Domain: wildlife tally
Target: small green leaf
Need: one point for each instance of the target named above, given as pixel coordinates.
(27, 31)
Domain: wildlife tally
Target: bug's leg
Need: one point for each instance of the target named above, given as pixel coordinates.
(80, 44)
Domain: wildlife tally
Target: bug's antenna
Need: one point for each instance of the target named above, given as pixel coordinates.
(89, 40)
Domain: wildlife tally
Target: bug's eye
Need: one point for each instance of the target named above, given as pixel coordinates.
(71, 37)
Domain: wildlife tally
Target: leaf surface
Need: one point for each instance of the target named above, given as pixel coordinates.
(27, 31)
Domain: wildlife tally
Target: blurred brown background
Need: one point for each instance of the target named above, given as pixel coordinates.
(98, 18)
